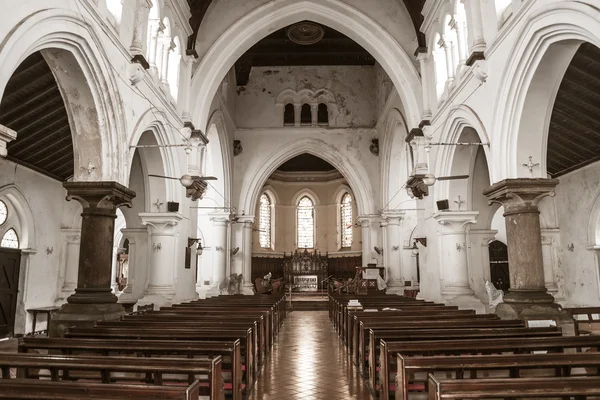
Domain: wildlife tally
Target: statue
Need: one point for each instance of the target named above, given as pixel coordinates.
(232, 284)
(495, 296)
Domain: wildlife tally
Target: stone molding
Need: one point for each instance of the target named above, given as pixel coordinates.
(7, 135)
(162, 224)
(453, 222)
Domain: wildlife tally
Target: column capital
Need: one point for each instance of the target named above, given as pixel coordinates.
(247, 221)
(455, 221)
(6, 135)
(219, 218)
(392, 217)
(99, 195)
(73, 235)
(365, 221)
(520, 195)
(161, 222)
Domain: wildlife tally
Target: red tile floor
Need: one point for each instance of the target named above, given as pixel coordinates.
(308, 361)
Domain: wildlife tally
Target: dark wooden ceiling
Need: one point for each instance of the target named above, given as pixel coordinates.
(277, 50)
(574, 136)
(199, 8)
(33, 106)
(305, 163)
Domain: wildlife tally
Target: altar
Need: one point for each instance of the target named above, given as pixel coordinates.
(305, 271)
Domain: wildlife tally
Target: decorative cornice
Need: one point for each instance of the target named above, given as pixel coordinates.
(7, 135)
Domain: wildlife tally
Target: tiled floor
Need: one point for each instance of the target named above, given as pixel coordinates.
(309, 362)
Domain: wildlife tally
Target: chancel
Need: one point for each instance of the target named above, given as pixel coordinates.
(284, 194)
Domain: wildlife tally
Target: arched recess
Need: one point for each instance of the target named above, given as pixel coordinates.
(258, 173)
(280, 13)
(531, 80)
(87, 84)
(396, 162)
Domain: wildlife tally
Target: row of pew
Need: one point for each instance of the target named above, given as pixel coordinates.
(212, 348)
(411, 346)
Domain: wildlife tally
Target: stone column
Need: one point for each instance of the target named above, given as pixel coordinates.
(527, 296)
(453, 258)
(297, 114)
(184, 87)
(391, 251)
(247, 255)
(314, 114)
(163, 230)
(93, 299)
(449, 65)
(137, 262)
(422, 57)
(70, 260)
(140, 33)
(220, 251)
(365, 224)
(475, 25)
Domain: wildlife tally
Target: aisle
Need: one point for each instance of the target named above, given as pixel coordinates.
(309, 362)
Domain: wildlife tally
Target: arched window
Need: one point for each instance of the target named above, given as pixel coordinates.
(265, 222)
(323, 114)
(346, 220)
(3, 212)
(10, 239)
(306, 115)
(306, 223)
(289, 115)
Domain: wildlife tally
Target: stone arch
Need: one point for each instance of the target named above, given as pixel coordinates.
(305, 192)
(544, 50)
(392, 149)
(95, 110)
(354, 173)
(275, 15)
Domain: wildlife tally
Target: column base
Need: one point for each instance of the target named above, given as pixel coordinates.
(92, 296)
(537, 311)
(468, 302)
(82, 316)
(397, 290)
(532, 296)
(248, 289)
(127, 295)
(450, 292)
(157, 299)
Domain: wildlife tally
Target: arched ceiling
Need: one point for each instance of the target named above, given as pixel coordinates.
(306, 163)
(32, 106)
(574, 135)
(198, 9)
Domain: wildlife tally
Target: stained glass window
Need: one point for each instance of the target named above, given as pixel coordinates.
(265, 221)
(346, 218)
(3, 212)
(10, 239)
(306, 223)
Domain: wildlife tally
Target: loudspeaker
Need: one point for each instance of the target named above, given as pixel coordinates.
(443, 205)
(172, 206)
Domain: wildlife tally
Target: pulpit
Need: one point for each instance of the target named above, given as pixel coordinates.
(367, 278)
(305, 270)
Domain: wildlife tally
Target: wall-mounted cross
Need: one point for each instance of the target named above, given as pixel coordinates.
(531, 165)
(158, 204)
(459, 202)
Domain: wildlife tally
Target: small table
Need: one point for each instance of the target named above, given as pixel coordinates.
(44, 310)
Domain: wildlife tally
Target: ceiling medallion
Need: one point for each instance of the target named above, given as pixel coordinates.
(305, 33)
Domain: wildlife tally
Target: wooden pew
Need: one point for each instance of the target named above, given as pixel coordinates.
(228, 350)
(560, 387)
(587, 319)
(389, 350)
(510, 364)
(109, 369)
(64, 390)
(244, 335)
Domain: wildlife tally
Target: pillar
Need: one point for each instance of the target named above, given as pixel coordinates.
(392, 252)
(453, 257)
(220, 251)
(93, 299)
(422, 57)
(247, 256)
(527, 296)
(185, 78)
(138, 242)
(365, 225)
(70, 262)
(475, 25)
(140, 32)
(314, 114)
(163, 229)
(297, 114)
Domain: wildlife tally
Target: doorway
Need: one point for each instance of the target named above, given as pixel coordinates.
(499, 272)
(10, 262)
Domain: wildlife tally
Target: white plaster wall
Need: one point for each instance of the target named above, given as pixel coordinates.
(327, 229)
(575, 195)
(46, 198)
(353, 88)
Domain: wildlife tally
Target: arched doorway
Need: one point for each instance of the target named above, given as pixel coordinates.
(499, 272)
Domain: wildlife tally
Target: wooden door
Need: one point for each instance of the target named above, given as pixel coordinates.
(499, 265)
(10, 261)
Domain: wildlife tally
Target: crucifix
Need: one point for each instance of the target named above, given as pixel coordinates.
(531, 165)
(158, 204)
(459, 202)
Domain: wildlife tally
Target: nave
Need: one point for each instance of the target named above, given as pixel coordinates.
(308, 362)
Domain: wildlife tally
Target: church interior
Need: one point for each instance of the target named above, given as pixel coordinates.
(303, 199)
